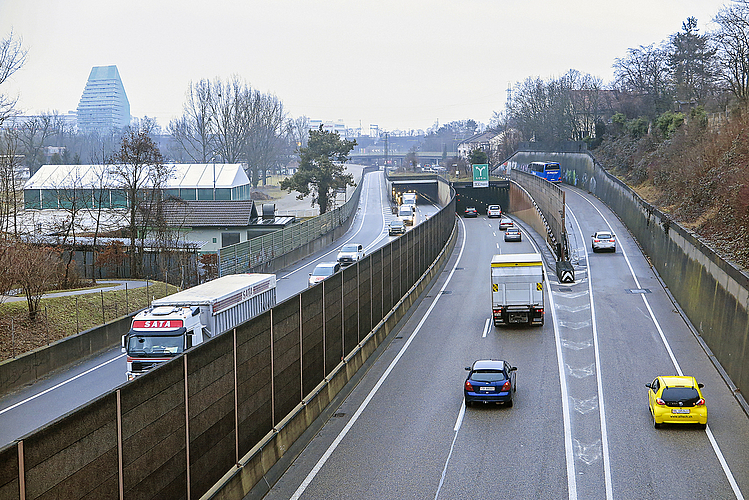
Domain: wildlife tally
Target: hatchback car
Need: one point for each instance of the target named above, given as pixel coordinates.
(396, 226)
(512, 234)
(322, 271)
(471, 212)
(350, 253)
(676, 400)
(505, 222)
(603, 240)
(494, 211)
(489, 381)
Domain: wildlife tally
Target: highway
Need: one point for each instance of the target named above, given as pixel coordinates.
(580, 427)
(32, 407)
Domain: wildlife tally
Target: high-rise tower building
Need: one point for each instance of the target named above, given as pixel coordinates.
(103, 107)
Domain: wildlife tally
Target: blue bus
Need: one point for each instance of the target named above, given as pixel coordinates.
(546, 169)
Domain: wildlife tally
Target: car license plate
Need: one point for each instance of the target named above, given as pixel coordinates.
(486, 389)
(680, 410)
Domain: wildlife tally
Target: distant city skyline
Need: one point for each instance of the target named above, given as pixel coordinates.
(394, 65)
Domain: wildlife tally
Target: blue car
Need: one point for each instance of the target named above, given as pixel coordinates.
(490, 381)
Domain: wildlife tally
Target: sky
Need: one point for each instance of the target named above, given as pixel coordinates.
(396, 64)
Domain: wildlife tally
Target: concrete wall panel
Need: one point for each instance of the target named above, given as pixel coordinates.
(333, 321)
(364, 317)
(154, 451)
(9, 485)
(376, 273)
(210, 375)
(313, 368)
(71, 456)
(350, 307)
(287, 377)
(253, 380)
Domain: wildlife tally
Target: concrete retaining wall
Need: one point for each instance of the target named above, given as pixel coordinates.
(712, 292)
(33, 365)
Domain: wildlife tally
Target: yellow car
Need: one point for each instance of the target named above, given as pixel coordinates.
(677, 400)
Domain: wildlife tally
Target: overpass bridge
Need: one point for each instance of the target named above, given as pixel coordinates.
(378, 157)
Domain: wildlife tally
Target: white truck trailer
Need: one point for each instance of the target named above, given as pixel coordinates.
(518, 289)
(184, 319)
(408, 199)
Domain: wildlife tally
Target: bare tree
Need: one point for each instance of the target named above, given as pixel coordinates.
(138, 170)
(10, 181)
(35, 271)
(644, 70)
(264, 142)
(34, 134)
(297, 132)
(732, 38)
(194, 131)
(12, 58)
(229, 117)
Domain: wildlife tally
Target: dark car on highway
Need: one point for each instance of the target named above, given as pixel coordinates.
(489, 381)
(471, 212)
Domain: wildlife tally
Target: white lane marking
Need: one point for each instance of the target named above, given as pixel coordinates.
(599, 377)
(318, 466)
(708, 431)
(568, 448)
(383, 231)
(486, 327)
(60, 384)
(458, 423)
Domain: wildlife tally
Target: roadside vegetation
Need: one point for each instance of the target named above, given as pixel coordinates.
(60, 317)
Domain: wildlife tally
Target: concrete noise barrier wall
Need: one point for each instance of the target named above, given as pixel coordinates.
(234, 402)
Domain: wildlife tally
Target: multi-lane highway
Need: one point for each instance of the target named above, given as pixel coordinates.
(580, 427)
(48, 399)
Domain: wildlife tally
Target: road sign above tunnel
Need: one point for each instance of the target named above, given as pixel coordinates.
(480, 175)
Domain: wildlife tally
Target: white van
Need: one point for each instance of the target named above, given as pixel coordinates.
(407, 214)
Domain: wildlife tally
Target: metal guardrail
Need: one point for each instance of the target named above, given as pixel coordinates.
(241, 257)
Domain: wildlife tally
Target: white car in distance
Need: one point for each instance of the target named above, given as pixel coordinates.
(350, 253)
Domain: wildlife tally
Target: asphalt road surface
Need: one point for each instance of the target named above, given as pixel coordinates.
(580, 427)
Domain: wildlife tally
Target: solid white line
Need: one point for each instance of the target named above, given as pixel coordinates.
(450, 454)
(60, 384)
(318, 466)
(599, 377)
(486, 327)
(568, 450)
(711, 438)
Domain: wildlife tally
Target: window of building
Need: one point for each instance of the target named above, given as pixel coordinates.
(229, 239)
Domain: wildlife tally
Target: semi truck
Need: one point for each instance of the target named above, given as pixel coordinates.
(185, 319)
(517, 289)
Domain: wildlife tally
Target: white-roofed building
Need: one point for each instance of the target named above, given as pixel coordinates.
(48, 194)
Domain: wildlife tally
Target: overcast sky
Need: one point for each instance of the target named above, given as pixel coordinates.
(399, 64)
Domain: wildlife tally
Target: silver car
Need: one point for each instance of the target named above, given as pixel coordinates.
(604, 240)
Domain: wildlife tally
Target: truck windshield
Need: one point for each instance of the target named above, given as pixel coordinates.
(150, 346)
